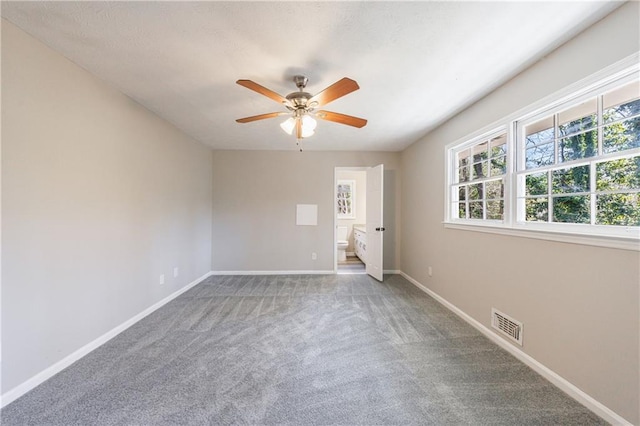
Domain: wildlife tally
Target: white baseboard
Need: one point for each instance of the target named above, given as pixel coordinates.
(49, 372)
(316, 272)
(563, 384)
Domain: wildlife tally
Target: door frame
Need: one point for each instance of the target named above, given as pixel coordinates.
(335, 207)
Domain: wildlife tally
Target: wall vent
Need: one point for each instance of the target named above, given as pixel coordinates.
(506, 325)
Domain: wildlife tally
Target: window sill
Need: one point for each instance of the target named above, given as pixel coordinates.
(610, 241)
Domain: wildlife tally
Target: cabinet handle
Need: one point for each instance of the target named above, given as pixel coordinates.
(380, 229)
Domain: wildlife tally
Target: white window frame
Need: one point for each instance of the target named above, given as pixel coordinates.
(453, 173)
(627, 238)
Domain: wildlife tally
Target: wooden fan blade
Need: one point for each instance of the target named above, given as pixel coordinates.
(261, 117)
(335, 91)
(263, 91)
(349, 120)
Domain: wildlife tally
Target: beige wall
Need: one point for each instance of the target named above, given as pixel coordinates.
(99, 197)
(579, 304)
(255, 195)
(360, 179)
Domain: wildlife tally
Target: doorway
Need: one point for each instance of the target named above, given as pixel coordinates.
(350, 218)
(358, 220)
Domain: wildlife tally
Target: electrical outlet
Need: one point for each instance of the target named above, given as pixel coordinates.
(162, 279)
(175, 272)
(430, 271)
(314, 256)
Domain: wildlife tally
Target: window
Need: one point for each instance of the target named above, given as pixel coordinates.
(580, 163)
(570, 167)
(478, 187)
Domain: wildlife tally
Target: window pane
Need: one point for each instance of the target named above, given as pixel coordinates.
(537, 209)
(537, 184)
(578, 146)
(573, 209)
(498, 166)
(622, 111)
(499, 146)
(462, 210)
(574, 179)
(463, 157)
(462, 193)
(578, 118)
(621, 135)
(540, 132)
(538, 156)
(475, 191)
(480, 152)
(480, 170)
(495, 210)
(494, 189)
(618, 209)
(475, 210)
(463, 174)
(621, 103)
(623, 173)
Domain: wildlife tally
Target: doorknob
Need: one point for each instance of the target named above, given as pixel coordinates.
(380, 229)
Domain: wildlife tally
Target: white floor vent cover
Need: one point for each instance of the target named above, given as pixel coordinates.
(506, 325)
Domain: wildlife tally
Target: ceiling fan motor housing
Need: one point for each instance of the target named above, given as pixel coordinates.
(299, 99)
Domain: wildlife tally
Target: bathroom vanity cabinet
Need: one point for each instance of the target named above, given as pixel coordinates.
(360, 241)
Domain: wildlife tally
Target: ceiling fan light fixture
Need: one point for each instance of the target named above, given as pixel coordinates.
(307, 132)
(308, 126)
(288, 125)
(308, 123)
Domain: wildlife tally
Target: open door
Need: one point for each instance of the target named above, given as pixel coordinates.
(375, 227)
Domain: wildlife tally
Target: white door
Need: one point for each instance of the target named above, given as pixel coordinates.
(375, 227)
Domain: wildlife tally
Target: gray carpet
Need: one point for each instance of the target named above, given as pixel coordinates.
(298, 350)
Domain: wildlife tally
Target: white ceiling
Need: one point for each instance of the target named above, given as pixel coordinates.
(417, 63)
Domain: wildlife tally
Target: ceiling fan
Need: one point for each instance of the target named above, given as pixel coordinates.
(302, 106)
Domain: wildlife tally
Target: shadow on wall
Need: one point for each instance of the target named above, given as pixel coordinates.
(389, 213)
